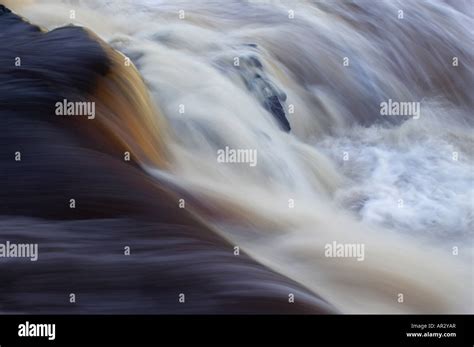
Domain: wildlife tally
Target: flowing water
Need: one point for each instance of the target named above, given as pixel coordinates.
(401, 186)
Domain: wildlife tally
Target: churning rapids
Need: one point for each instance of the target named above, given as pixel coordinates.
(305, 94)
